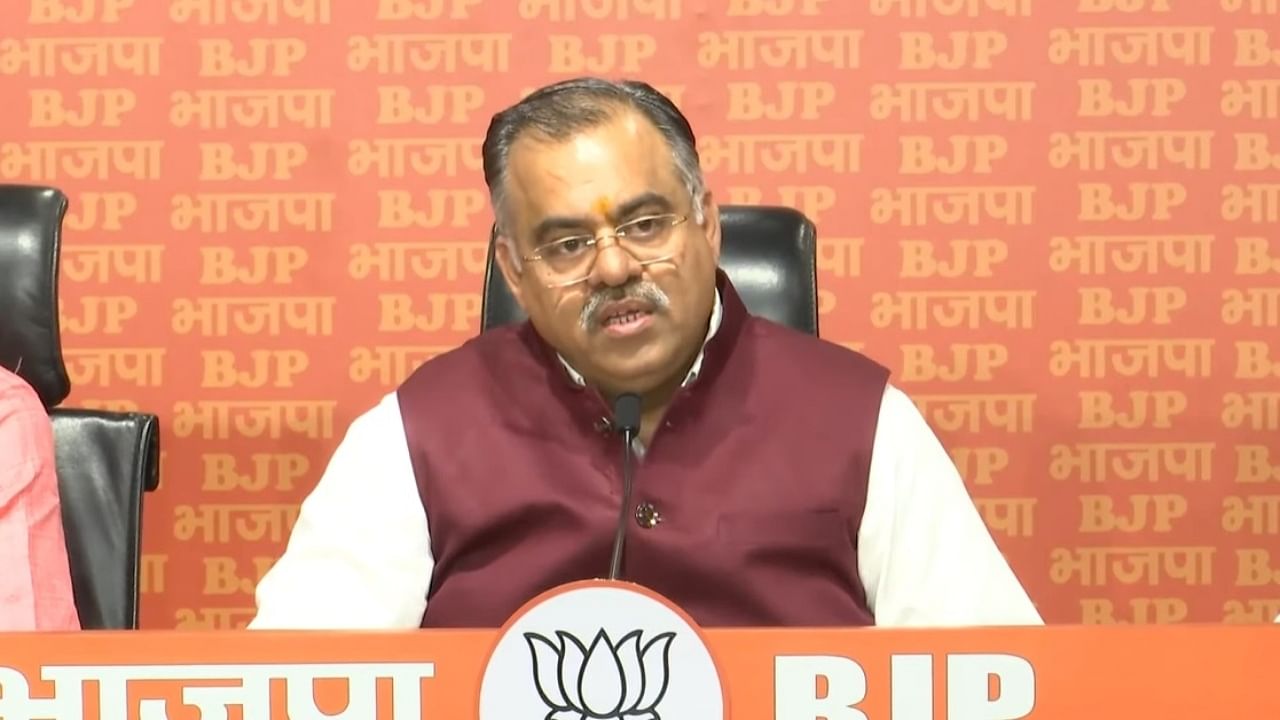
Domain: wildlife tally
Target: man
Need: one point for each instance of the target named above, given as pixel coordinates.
(35, 576)
(489, 476)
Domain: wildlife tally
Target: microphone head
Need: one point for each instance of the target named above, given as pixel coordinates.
(626, 413)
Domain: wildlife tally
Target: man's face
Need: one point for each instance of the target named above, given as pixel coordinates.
(627, 326)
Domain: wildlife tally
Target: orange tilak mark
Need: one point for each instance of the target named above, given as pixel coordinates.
(603, 206)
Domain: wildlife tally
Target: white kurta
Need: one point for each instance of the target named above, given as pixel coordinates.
(360, 553)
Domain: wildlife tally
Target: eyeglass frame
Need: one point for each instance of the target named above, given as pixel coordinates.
(617, 235)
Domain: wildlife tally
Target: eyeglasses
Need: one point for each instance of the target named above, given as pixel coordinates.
(569, 259)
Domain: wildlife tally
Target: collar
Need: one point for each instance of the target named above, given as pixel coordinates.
(717, 314)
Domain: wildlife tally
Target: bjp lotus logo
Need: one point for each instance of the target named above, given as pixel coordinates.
(623, 680)
(600, 650)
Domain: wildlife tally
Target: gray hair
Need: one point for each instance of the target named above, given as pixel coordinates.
(556, 112)
(645, 290)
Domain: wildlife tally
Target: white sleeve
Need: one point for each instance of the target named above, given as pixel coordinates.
(359, 556)
(925, 556)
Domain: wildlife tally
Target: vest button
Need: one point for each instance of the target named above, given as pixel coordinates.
(647, 516)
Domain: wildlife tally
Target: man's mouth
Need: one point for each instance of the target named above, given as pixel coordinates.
(625, 318)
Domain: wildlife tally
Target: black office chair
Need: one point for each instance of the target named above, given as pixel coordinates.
(105, 460)
(769, 253)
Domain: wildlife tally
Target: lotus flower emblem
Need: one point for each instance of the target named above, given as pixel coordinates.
(606, 681)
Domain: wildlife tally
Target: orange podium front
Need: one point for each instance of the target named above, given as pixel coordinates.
(610, 650)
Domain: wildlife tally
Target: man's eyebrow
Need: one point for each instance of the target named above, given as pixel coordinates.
(638, 202)
(559, 222)
(566, 222)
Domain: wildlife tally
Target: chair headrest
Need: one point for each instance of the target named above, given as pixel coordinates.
(769, 254)
(30, 239)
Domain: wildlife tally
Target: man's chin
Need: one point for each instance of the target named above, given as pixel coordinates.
(634, 375)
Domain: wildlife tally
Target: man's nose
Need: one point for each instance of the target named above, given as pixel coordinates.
(614, 265)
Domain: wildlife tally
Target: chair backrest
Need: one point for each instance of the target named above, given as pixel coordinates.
(30, 246)
(105, 460)
(769, 253)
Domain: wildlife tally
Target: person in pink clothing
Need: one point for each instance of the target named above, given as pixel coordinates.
(35, 575)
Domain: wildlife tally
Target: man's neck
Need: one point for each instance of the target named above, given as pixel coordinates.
(654, 403)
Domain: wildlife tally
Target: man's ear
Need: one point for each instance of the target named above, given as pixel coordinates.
(509, 264)
(711, 223)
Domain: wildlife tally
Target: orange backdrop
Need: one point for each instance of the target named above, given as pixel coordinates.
(1056, 221)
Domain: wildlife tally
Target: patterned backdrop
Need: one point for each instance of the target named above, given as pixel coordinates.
(1056, 220)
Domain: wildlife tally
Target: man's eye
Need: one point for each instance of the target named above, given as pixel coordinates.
(568, 246)
(644, 227)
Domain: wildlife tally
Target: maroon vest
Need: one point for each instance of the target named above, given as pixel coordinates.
(758, 476)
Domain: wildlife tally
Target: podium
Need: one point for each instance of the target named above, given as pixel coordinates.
(600, 650)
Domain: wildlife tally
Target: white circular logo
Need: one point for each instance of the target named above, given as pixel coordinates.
(601, 651)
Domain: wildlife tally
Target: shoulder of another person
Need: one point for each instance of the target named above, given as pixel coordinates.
(17, 397)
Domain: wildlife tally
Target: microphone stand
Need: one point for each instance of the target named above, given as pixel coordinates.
(627, 419)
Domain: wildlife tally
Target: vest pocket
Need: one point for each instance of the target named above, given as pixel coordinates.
(807, 527)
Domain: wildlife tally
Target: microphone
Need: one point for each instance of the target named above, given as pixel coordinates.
(626, 419)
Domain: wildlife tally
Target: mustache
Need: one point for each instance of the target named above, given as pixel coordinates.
(642, 290)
